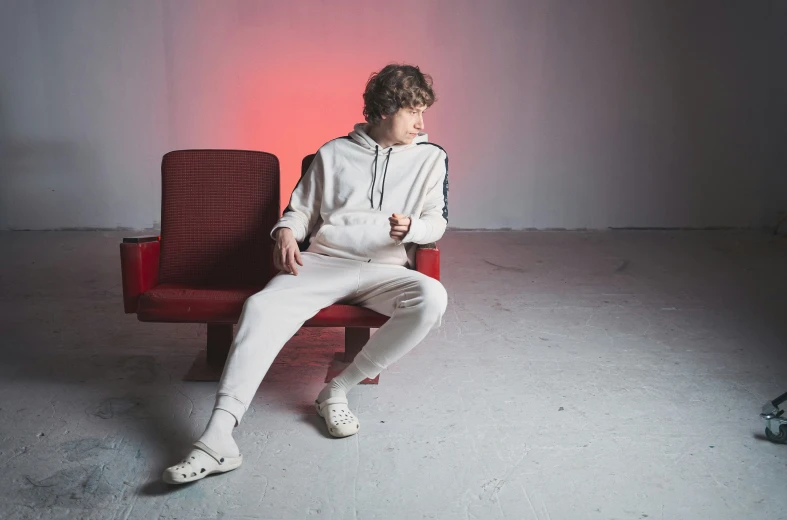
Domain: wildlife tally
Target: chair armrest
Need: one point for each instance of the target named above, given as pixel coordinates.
(139, 267)
(427, 260)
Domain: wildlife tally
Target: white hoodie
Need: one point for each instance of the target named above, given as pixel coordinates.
(344, 199)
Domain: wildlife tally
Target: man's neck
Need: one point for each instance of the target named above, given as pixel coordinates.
(376, 133)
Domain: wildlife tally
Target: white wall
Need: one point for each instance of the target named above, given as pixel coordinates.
(555, 114)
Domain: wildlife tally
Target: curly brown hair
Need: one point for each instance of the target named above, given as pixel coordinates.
(394, 87)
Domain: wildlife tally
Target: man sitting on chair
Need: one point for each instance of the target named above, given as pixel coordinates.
(366, 202)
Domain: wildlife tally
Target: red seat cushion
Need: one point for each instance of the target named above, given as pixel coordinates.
(181, 303)
(346, 316)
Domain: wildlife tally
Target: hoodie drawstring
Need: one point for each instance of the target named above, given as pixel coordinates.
(385, 173)
(374, 178)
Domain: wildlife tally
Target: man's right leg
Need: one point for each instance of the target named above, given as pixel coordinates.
(269, 319)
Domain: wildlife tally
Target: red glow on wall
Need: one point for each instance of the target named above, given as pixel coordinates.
(291, 112)
(273, 77)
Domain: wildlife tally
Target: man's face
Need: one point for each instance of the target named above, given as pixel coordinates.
(404, 125)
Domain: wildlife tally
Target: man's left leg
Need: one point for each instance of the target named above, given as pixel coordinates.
(415, 303)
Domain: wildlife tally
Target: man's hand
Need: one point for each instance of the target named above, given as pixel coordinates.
(286, 253)
(400, 226)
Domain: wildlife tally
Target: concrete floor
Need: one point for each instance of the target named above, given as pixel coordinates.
(606, 375)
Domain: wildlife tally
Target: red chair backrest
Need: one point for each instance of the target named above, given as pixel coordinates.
(217, 210)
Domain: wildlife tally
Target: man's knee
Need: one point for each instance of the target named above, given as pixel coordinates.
(435, 299)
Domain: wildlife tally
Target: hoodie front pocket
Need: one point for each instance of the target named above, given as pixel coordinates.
(363, 241)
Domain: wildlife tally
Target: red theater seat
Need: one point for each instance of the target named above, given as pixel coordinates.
(214, 251)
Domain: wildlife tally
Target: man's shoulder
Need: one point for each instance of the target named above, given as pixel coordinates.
(331, 145)
(432, 147)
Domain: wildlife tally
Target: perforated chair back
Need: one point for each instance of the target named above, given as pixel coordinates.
(217, 210)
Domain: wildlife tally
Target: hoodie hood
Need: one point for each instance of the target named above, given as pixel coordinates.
(360, 136)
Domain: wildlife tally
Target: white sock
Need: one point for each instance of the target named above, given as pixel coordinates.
(343, 383)
(218, 433)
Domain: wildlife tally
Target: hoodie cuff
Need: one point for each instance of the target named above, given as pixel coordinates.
(416, 230)
(277, 227)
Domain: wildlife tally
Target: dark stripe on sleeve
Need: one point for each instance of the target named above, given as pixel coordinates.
(445, 182)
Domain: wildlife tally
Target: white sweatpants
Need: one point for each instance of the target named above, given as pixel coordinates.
(415, 303)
